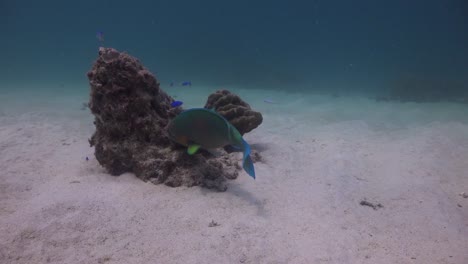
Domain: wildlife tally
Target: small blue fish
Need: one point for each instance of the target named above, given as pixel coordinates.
(171, 84)
(100, 36)
(176, 103)
(268, 101)
(186, 83)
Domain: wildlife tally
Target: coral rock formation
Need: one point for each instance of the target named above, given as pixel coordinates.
(235, 110)
(131, 113)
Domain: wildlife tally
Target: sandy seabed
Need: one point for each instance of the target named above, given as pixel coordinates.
(322, 156)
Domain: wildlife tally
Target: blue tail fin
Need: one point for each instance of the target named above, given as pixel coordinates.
(247, 163)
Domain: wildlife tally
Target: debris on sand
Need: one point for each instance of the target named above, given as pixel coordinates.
(213, 224)
(374, 206)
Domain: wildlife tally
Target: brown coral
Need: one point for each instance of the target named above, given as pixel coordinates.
(235, 110)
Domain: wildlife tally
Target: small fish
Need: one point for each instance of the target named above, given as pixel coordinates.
(204, 128)
(100, 36)
(176, 103)
(269, 101)
(87, 158)
(186, 83)
(84, 106)
(171, 84)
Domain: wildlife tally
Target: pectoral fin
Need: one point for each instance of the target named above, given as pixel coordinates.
(192, 149)
(214, 152)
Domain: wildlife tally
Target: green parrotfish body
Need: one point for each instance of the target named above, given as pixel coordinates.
(200, 127)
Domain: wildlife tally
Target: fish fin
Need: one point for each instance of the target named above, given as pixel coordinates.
(192, 149)
(249, 167)
(236, 147)
(247, 163)
(232, 148)
(214, 152)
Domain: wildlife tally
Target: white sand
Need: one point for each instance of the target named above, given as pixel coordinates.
(322, 157)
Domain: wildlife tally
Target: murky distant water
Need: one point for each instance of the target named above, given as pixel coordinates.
(338, 47)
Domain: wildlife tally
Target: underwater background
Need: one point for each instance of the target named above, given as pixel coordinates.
(360, 157)
(334, 46)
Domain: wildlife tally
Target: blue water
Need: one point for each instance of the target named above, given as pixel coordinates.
(334, 46)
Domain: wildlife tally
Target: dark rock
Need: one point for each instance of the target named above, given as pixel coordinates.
(235, 110)
(255, 156)
(131, 113)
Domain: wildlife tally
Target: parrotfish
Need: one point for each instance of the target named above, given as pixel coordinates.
(204, 128)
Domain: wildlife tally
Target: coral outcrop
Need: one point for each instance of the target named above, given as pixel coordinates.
(131, 114)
